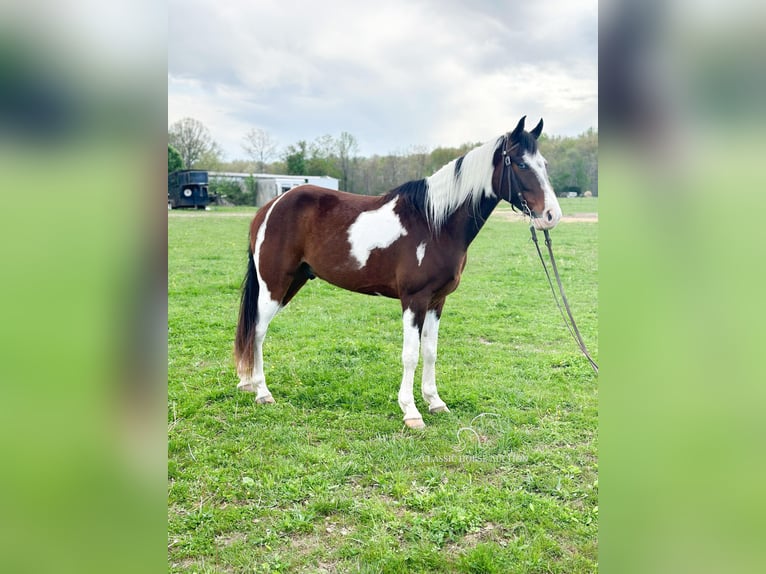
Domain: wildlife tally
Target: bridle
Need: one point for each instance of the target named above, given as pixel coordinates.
(509, 175)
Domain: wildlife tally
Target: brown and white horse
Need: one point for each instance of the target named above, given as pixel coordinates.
(409, 244)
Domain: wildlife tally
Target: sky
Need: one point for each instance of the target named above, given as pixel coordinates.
(394, 74)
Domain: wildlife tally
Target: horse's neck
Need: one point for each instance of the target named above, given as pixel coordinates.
(469, 219)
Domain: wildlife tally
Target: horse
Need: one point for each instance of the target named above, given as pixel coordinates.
(408, 244)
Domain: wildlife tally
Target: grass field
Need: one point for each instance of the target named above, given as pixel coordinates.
(328, 479)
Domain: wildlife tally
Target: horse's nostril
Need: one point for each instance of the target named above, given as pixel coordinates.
(549, 215)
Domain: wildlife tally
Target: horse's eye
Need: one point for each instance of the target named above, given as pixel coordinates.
(522, 165)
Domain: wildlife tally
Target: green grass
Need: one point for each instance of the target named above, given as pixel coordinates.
(570, 205)
(328, 479)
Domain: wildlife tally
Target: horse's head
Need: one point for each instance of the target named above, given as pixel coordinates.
(522, 177)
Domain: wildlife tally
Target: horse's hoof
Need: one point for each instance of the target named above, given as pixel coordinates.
(267, 400)
(415, 423)
(246, 387)
(440, 409)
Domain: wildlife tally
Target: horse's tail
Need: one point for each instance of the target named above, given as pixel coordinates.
(248, 318)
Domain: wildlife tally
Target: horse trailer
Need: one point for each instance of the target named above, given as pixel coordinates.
(188, 188)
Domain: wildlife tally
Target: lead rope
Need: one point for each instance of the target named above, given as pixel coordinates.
(573, 330)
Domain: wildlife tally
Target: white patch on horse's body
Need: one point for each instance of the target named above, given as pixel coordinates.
(536, 163)
(447, 191)
(375, 229)
(420, 252)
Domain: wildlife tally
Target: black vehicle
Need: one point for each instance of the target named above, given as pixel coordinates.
(188, 188)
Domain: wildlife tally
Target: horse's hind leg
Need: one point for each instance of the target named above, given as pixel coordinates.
(301, 275)
(256, 382)
(267, 310)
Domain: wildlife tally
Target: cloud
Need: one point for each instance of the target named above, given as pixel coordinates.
(394, 74)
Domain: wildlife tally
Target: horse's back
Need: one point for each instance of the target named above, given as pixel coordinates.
(315, 206)
(311, 210)
(325, 200)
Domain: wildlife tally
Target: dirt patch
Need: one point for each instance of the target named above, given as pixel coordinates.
(580, 218)
(567, 218)
(488, 533)
(180, 213)
(229, 539)
(307, 548)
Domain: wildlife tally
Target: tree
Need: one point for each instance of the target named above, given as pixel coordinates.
(232, 191)
(193, 141)
(260, 146)
(211, 159)
(295, 158)
(347, 148)
(573, 162)
(393, 166)
(418, 161)
(321, 160)
(174, 160)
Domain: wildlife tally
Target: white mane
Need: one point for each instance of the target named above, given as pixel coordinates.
(445, 192)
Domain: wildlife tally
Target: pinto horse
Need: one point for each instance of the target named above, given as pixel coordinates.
(409, 244)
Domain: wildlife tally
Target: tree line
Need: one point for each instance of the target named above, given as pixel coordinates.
(572, 161)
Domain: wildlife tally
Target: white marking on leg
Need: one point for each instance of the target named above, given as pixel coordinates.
(255, 381)
(410, 351)
(268, 307)
(375, 229)
(420, 252)
(267, 310)
(429, 339)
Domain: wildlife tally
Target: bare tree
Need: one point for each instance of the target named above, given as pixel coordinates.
(347, 148)
(260, 146)
(192, 140)
(323, 147)
(418, 156)
(392, 169)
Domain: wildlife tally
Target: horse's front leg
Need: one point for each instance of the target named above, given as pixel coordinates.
(410, 353)
(429, 339)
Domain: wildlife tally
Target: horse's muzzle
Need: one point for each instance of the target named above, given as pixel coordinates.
(549, 218)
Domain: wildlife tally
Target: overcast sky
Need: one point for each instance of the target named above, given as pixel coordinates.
(394, 73)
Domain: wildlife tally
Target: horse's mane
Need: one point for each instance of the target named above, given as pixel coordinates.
(465, 179)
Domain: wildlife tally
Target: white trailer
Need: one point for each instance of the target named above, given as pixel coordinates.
(269, 185)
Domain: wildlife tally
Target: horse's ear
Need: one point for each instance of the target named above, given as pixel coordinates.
(518, 129)
(538, 129)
